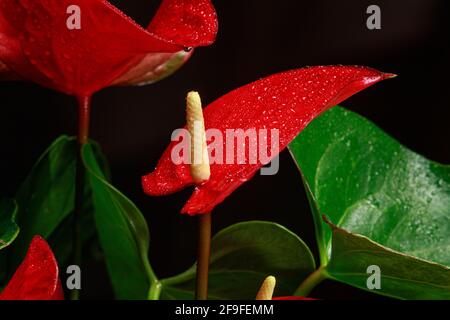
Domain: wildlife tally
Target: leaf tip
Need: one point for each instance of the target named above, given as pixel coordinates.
(390, 75)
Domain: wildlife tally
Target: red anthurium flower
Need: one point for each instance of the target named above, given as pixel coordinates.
(81, 46)
(37, 277)
(287, 101)
(154, 67)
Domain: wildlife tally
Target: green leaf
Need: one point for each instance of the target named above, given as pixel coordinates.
(390, 207)
(243, 255)
(46, 204)
(61, 237)
(46, 201)
(8, 227)
(123, 234)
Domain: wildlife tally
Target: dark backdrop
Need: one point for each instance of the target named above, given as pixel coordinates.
(256, 38)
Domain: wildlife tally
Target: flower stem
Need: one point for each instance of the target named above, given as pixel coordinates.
(203, 256)
(311, 282)
(155, 291)
(84, 106)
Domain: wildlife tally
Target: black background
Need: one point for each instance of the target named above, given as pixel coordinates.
(256, 38)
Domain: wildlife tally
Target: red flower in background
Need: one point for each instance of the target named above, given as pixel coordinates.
(37, 278)
(287, 101)
(108, 48)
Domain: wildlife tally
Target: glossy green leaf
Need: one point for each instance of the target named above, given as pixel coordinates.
(46, 204)
(123, 234)
(8, 233)
(61, 238)
(46, 201)
(390, 207)
(46, 196)
(243, 255)
(8, 227)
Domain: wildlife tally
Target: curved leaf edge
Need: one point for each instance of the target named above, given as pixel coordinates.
(325, 250)
(143, 249)
(11, 208)
(329, 274)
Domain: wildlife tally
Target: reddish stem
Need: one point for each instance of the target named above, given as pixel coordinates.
(203, 256)
(84, 108)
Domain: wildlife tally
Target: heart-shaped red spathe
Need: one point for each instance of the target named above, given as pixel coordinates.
(287, 101)
(192, 23)
(37, 277)
(37, 45)
(154, 67)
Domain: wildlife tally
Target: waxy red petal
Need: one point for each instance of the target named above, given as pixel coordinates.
(154, 67)
(189, 23)
(36, 44)
(287, 101)
(6, 73)
(192, 23)
(37, 277)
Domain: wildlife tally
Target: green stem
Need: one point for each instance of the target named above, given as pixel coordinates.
(203, 256)
(311, 282)
(148, 268)
(84, 106)
(155, 284)
(180, 278)
(155, 290)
